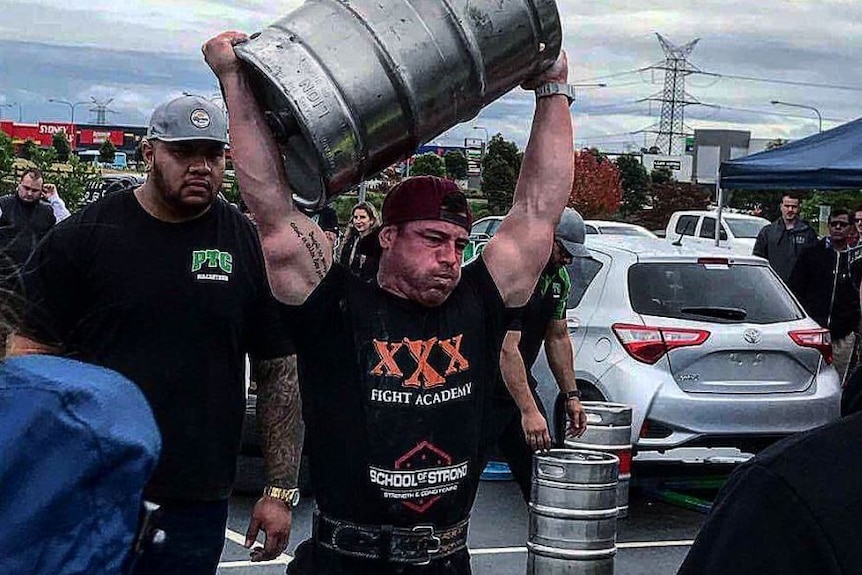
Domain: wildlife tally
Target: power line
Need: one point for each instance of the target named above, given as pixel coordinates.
(615, 75)
(786, 82)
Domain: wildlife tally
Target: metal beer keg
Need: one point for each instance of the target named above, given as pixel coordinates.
(350, 87)
(609, 429)
(573, 513)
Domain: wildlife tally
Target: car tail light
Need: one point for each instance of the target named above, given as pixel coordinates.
(818, 339)
(625, 461)
(648, 344)
(713, 261)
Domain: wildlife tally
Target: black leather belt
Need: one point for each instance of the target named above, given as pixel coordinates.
(417, 545)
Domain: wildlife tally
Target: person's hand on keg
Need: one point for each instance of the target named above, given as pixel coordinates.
(576, 418)
(557, 73)
(535, 429)
(219, 55)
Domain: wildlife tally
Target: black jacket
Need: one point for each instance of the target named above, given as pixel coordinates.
(782, 246)
(819, 272)
(792, 510)
(22, 226)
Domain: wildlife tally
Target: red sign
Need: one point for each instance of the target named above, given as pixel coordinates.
(48, 129)
(99, 136)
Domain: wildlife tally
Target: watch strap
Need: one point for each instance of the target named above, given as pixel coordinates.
(554, 88)
(289, 497)
(571, 394)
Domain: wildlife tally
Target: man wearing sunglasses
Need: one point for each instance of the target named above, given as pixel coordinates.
(826, 280)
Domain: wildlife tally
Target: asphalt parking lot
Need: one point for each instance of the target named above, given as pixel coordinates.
(653, 540)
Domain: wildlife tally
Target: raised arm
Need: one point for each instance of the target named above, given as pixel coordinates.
(296, 250)
(521, 247)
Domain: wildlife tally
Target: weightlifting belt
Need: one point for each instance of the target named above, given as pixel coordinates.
(417, 545)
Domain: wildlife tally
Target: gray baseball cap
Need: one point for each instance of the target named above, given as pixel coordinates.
(571, 232)
(188, 118)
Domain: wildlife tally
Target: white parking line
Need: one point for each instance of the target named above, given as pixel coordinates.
(284, 559)
(624, 545)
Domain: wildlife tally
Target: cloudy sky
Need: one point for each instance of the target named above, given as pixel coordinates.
(141, 52)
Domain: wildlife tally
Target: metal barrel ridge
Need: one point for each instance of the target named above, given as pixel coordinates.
(573, 513)
(609, 429)
(350, 87)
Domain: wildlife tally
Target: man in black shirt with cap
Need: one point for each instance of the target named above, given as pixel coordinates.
(166, 284)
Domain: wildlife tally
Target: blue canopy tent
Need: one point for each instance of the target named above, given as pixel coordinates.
(827, 161)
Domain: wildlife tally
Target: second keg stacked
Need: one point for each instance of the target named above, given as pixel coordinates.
(573, 513)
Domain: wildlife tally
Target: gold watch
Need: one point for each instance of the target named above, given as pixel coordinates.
(289, 497)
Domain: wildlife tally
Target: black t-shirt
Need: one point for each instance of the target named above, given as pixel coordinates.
(793, 509)
(393, 394)
(173, 307)
(547, 303)
(22, 225)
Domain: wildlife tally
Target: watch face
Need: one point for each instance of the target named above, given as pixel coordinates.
(294, 499)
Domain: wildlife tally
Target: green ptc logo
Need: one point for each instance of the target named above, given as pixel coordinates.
(212, 259)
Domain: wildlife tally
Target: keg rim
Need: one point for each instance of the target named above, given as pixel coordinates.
(571, 554)
(567, 455)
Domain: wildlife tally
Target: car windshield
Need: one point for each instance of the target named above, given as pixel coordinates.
(626, 231)
(744, 228)
(711, 292)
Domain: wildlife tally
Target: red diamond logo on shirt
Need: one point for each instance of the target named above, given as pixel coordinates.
(423, 456)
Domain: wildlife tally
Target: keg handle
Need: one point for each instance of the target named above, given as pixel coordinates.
(549, 470)
(282, 124)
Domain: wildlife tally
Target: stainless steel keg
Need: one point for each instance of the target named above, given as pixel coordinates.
(573, 513)
(609, 429)
(351, 86)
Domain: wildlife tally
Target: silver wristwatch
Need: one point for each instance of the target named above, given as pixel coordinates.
(554, 88)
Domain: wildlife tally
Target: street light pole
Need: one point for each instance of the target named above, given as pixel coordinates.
(68, 103)
(804, 106)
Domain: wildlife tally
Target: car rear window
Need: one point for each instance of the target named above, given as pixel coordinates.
(711, 292)
(582, 272)
(745, 228)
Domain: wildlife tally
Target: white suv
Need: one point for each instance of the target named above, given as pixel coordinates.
(697, 227)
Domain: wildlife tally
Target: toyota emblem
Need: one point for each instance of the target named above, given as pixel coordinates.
(752, 336)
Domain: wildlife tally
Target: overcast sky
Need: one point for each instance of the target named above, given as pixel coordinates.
(141, 52)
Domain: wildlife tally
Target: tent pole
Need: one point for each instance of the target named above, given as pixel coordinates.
(720, 196)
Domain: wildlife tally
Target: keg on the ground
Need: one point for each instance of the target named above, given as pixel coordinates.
(573, 513)
(609, 429)
(352, 86)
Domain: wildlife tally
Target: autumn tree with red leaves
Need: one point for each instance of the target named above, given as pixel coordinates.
(596, 189)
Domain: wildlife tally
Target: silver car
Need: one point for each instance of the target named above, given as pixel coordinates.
(709, 348)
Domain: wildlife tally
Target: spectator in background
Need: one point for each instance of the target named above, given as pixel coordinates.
(857, 226)
(51, 198)
(826, 281)
(363, 223)
(327, 218)
(24, 220)
(783, 240)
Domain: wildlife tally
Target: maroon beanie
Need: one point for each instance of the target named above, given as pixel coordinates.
(427, 198)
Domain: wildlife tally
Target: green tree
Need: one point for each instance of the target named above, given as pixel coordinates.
(429, 164)
(73, 181)
(28, 149)
(500, 168)
(661, 176)
(7, 164)
(456, 165)
(61, 146)
(107, 152)
(635, 182)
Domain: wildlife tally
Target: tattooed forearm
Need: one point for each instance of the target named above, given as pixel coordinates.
(279, 419)
(315, 249)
